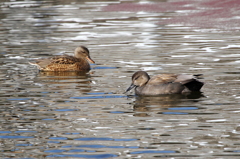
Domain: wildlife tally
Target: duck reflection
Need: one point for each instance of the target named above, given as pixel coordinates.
(69, 77)
(79, 80)
(65, 75)
(145, 104)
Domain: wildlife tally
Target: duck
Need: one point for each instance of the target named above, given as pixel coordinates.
(164, 84)
(61, 63)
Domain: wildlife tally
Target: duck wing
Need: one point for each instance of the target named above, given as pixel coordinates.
(162, 79)
(191, 82)
(62, 59)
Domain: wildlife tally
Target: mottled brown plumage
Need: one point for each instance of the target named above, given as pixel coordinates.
(164, 83)
(78, 62)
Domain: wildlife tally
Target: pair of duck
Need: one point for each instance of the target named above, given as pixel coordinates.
(143, 84)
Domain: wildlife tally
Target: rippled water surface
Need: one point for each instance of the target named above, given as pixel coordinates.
(87, 115)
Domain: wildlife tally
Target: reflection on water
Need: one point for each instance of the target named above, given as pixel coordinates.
(165, 103)
(66, 76)
(86, 114)
(166, 100)
(78, 74)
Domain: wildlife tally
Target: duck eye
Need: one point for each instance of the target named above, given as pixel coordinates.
(136, 77)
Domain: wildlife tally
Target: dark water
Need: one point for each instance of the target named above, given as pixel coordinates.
(86, 115)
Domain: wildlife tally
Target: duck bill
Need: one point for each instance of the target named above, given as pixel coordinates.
(90, 60)
(131, 87)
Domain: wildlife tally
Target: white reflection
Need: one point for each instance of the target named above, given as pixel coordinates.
(135, 63)
(194, 37)
(181, 55)
(144, 2)
(172, 64)
(230, 55)
(21, 4)
(217, 120)
(230, 46)
(15, 57)
(200, 68)
(208, 49)
(150, 68)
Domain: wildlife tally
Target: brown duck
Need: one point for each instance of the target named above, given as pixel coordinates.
(164, 83)
(78, 62)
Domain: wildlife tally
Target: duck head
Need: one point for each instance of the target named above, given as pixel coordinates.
(139, 79)
(83, 52)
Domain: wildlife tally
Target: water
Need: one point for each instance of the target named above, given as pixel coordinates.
(86, 115)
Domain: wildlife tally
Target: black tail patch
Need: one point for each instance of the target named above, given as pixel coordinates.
(194, 85)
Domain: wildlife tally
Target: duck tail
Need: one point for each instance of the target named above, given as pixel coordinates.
(194, 85)
(35, 64)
